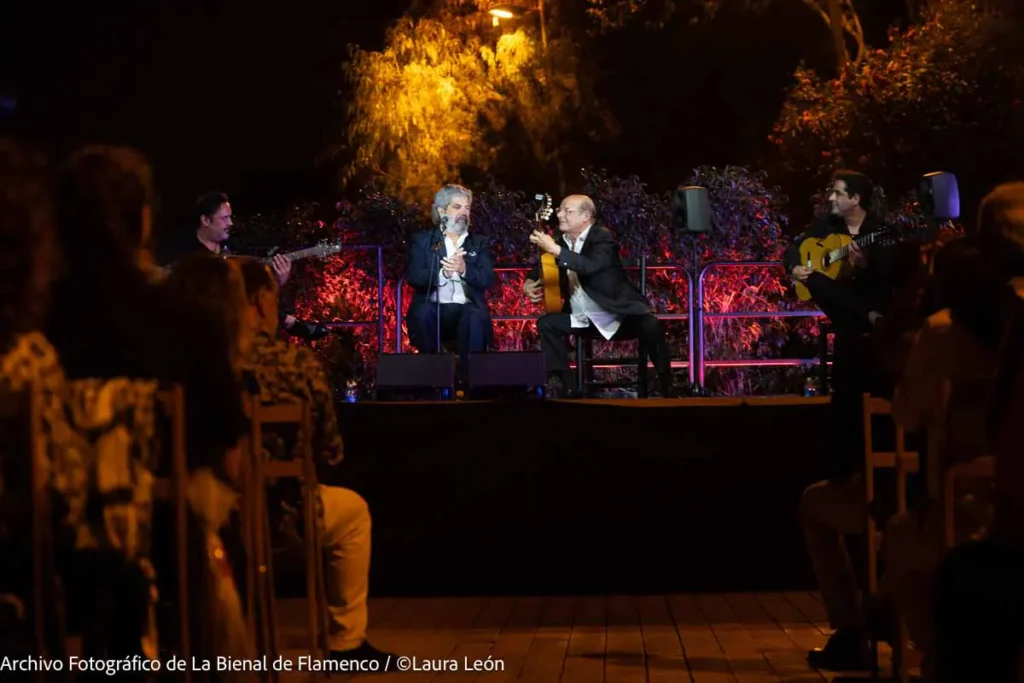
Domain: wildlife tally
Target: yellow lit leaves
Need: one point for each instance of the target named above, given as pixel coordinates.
(426, 105)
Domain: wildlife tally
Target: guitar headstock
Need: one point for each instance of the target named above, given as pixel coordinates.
(327, 248)
(546, 207)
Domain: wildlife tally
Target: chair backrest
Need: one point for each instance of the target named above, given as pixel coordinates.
(174, 489)
(255, 472)
(297, 413)
(900, 459)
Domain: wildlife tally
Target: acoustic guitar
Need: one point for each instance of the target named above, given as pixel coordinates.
(548, 266)
(828, 255)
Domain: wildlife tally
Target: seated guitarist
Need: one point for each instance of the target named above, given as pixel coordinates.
(212, 213)
(830, 509)
(599, 301)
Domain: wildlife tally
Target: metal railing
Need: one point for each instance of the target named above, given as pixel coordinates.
(379, 322)
(695, 317)
(697, 350)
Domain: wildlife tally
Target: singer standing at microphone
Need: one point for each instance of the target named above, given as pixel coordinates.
(447, 260)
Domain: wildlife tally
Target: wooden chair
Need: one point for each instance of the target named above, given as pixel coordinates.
(585, 368)
(173, 489)
(904, 463)
(942, 477)
(258, 536)
(585, 356)
(24, 465)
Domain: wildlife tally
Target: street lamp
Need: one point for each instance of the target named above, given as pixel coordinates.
(512, 11)
(505, 12)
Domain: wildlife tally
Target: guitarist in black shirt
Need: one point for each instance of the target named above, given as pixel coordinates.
(212, 213)
(856, 307)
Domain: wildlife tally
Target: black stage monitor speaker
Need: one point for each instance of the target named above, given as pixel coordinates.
(939, 196)
(417, 375)
(507, 374)
(691, 209)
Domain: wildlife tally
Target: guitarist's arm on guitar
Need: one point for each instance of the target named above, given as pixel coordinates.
(601, 252)
(533, 288)
(819, 229)
(791, 257)
(282, 267)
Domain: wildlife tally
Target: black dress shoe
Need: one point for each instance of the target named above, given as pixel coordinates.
(558, 388)
(303, 329)
(846, 650)
(664, 387)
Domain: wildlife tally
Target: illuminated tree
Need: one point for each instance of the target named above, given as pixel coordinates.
(441, 95)
(944, 95)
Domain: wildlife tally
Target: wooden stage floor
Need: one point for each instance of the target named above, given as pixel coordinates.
(702, 638)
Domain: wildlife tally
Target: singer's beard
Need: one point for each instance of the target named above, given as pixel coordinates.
(458, 227)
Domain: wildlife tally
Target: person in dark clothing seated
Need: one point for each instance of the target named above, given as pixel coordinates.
(856, 307)
(111, 318)
(449, 262)
(978, 593)
(213, 222)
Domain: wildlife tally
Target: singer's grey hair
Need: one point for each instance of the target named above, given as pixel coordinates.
(445, 196)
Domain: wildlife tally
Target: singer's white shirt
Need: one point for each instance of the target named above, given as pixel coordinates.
(452, 289)
(584, 309)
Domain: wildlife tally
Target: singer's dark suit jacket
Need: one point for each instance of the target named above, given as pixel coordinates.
(600, 273)
(422, 268)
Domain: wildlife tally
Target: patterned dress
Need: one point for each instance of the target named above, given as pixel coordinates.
(30, 359)
(100, 445)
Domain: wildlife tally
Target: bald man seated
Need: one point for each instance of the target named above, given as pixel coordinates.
(599, 300)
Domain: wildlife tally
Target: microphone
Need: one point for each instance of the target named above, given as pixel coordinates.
(440, 238)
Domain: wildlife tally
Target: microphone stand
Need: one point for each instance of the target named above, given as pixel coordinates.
(438, 246)
(437, 290)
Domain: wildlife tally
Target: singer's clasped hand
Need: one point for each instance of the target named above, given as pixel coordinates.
(454, 264)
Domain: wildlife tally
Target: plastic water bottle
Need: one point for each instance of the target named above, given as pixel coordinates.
(351, 391)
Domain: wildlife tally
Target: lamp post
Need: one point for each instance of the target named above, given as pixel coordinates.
(510, 12)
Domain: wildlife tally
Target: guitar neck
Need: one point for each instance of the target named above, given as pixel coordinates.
(297, 255)
(860, 240)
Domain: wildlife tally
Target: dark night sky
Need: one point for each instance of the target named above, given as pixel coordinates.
(236, 95)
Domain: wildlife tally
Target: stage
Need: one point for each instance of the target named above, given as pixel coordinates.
(538, 497)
